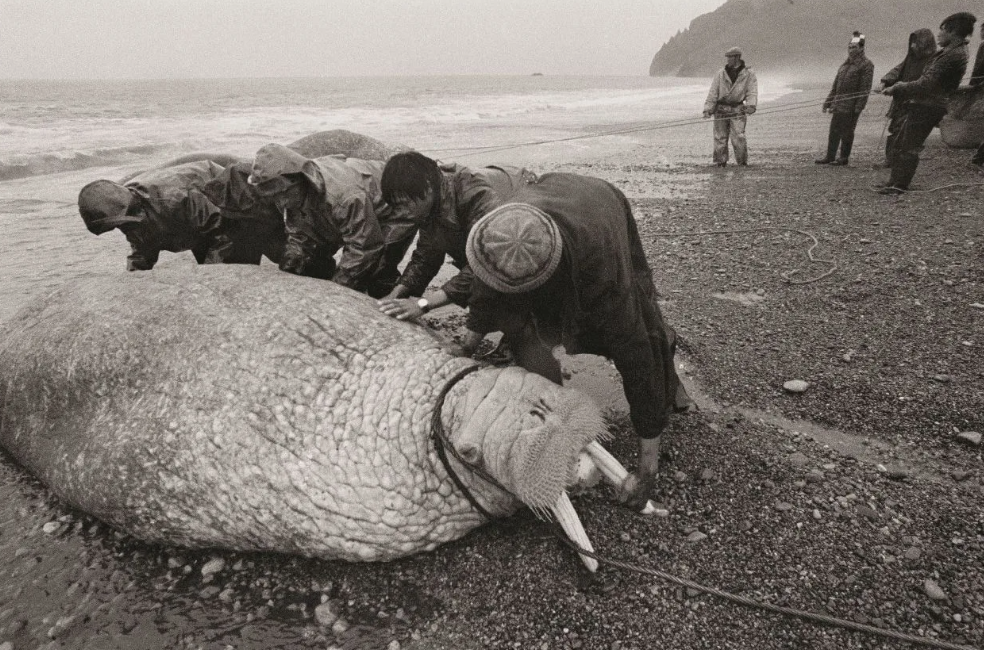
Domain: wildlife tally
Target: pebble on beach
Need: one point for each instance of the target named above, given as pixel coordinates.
(795, 386)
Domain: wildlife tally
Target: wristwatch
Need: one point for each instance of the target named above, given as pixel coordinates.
(424, 305)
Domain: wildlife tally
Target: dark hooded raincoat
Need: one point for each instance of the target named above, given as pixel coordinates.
(601, 300)
(342, 210)
(177, 216)
(467, 195)
(254, 225)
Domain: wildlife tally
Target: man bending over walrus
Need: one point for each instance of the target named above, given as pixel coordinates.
(160, 209)
(562, 263)
(444, 201)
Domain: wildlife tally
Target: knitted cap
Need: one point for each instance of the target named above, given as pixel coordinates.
(857, 38)
(733, 52)
(515, 248)
(103, 205)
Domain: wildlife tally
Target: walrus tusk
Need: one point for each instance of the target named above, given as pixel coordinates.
(613, 470)
(567, 517)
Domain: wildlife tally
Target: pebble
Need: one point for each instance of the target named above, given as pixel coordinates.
(679, 477)
(51, 527)
(798, 459)
(796, 386)
(814, 476)
(6, 645)
(213, 566)
(784, 506)
(340, 626)
(970, 438)
(696, 536)
(817, 515)
(897, 472)
(867, 512)
(933, 590)
(707, 475)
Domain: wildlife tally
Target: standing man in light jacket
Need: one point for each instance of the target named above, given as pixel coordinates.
(848, 97)
(732, 97)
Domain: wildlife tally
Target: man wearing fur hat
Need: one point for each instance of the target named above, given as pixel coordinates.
(847, 99)
(732, 97)
(159, 210)
(926, 98)
(562, 264)
(333, 203)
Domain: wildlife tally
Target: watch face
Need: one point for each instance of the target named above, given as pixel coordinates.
(423, 304)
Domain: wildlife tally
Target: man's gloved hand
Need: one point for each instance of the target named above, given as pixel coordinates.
(638, 486)
(707, 114)
(292, 264)
(749, 110)
(636, 491)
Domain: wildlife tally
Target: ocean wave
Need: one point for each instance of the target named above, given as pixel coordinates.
(40, 164)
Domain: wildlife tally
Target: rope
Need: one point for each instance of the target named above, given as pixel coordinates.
(653, 127)
(813, 617)
(441, 441)
(785, 276)
(442, 445)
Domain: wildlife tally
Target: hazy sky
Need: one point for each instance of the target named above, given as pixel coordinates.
(67, 39)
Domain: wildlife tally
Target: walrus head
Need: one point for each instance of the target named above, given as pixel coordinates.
(532, 436)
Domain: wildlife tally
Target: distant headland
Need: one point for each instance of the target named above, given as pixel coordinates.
(800, 37)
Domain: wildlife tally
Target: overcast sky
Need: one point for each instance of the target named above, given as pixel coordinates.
(95, 39)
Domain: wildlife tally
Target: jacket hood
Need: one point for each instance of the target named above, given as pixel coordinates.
(924, 39)
(275, 161)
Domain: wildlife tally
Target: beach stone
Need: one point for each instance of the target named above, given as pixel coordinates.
(784, 506)
(796, 386)
(325, 614)
(933, 590)
(696, 536)
(708, 475)
(897, 472)
(798, 459)
(814, 476)
(213, 566)
(50, 527)
(869, 513)
(972, 438)
(6, 645)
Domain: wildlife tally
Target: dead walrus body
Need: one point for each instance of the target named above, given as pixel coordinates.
(243, 408)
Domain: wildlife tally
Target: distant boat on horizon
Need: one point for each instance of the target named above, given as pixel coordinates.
(537, 74)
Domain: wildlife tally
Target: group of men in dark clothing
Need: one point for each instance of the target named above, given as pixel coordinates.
(549, 261)
(920, 87)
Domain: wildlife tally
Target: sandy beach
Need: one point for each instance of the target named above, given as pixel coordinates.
(859, 498)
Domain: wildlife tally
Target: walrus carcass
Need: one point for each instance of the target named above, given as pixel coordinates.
(240, 407)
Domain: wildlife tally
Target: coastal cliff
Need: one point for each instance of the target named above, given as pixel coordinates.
(799, 36)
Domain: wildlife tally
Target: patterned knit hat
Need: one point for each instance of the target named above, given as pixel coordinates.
(857, 39)
(103, 205)
(515, 248)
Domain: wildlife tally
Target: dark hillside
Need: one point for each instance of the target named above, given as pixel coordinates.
(779, 36)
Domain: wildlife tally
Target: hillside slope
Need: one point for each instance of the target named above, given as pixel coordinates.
(800, 36)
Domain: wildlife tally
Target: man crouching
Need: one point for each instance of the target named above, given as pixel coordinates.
(562, 263)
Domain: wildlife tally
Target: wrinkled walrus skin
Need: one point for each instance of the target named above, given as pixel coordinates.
(243, 408)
